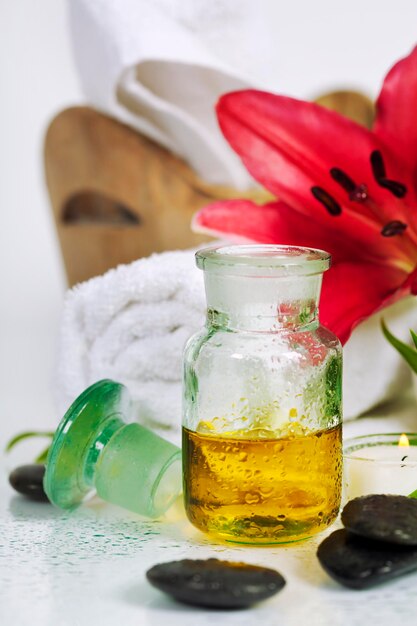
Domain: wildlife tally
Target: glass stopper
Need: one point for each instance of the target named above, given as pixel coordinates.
(96, 449)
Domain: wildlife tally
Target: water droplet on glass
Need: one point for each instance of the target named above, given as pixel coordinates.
(251, 498)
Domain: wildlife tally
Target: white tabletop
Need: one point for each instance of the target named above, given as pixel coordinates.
(88, 567)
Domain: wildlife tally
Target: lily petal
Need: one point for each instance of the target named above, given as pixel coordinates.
(396, 123)
(366, 289)
(276, 222)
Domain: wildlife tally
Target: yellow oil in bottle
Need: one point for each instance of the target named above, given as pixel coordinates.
(262, 490)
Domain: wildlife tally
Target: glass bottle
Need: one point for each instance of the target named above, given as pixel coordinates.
(262, 416)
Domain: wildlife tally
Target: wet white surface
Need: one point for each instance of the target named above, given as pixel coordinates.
(89, 567)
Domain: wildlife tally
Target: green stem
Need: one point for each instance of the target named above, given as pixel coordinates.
(27, 435)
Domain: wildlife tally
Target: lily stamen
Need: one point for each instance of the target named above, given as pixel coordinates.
(393, 228)
(343, 179)
(377, 164)
(378, 169)
(397, 189)
(359, 194)
(326, 200)
(356, 193)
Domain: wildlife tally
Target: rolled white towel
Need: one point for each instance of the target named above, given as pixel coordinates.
(131, 325)
(161, 65)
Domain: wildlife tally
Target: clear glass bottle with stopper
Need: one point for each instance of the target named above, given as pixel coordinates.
(262, 445)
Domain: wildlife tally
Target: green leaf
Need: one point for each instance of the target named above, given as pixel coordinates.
(41, 458)
(414, 336)
(409, 354)
(27, 435)
(413, 495)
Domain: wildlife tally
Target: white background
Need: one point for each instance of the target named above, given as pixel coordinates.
(319, 45)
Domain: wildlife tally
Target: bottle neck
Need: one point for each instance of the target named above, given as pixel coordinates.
(263, 304)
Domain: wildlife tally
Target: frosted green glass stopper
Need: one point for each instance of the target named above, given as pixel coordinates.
(94, 449)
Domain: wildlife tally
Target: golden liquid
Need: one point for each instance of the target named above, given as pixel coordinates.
(262, 490)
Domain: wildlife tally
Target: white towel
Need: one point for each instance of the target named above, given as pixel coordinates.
(131, 325)
(374, 372)
(161, 65)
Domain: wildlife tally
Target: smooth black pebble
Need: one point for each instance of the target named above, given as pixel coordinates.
(383, 518)
(215, 584)
(28, 480)
(360, 563)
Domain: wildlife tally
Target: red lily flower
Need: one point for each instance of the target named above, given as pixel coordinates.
(341, 187)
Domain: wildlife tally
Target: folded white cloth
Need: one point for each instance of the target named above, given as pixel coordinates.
(161, 65)
(131, 325)
(374, 372)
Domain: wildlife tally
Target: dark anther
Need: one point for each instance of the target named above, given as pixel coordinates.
(359, 194)
(378, 169)
(377, 164)
(327, 201)
(343, 179)
(397, 189)
(393, 228)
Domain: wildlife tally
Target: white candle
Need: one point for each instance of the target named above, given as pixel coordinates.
(373, 466)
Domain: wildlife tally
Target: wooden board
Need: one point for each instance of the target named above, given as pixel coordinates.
(115, 195)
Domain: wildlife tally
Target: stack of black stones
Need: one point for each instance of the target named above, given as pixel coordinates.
(378, 543)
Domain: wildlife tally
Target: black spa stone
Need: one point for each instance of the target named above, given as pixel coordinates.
(215, 584)
(360, 563)
(383, 518)
(28, 480)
